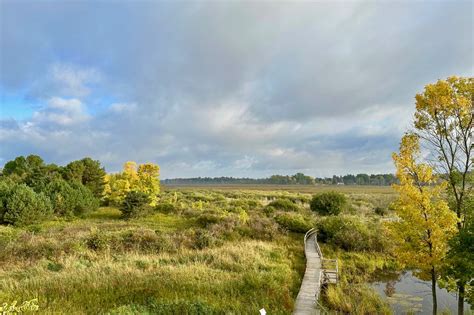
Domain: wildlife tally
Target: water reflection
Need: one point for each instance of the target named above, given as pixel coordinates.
(408, 294)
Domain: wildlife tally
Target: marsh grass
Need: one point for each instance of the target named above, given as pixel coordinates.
(240, 277)
(206, 252)
(353, 294)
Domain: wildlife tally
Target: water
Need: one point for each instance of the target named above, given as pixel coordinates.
(408, 294)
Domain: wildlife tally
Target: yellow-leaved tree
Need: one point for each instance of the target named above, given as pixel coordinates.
(141, 178)
(444, 121)
(148, 181)
(425, 221)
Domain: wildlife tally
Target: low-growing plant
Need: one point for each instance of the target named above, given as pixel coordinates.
(209, 217)
(144, 240)
(328, 203)
(350, 233)
(184, 307)
(54, 266)
(380, 211)
(261, 228)
(284, 205)
(135, 204)
(294, 222)
(167, 207)
(355, 299)
(206, 239)
(97, 240)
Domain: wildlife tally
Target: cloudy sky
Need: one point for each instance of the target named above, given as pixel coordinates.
(211, 88)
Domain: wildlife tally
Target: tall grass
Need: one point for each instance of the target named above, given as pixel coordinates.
(203, 252)
(240, 278)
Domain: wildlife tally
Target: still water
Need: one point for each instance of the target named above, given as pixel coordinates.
(408, 294)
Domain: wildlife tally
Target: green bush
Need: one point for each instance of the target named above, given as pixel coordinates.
(144, 240)
(63, 197)
(97, 241)
(260, 228)
(70, 199)
(380, 211)
(245, 203)
(350, 233)
(206, 239)
(166, 207)
(23, 206)
(284, 204)
(135, 204)
(293, 222)
(54, 266)
(5, 191)
(328, 203)
(85, 200)
(208, 218)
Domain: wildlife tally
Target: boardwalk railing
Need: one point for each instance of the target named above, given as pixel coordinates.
(329, 267)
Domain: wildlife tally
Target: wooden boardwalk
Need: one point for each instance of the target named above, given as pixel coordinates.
(318, 271)
(309, 291)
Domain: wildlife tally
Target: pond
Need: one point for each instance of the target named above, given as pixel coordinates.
(408, 294)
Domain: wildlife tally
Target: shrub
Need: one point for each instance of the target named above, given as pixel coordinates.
(284, 204)
(245, 203)
(293, 222)
(85, 200)
(328, 203)
(206, 239)
(63, 197)
(23, 206)
(135, 204)
(144, 240)
(380, 211)
(208, 218)
(5, 191)
(54, 266)
(350, 233)
(70, 199)
(166, 207)
(261, 228)
(97, 241)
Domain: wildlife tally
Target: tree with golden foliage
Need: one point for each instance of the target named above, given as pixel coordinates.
(444, 123)
(148, 181)
(425, 222)
(139, 178)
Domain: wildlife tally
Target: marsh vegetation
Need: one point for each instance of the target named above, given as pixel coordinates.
(196, 251)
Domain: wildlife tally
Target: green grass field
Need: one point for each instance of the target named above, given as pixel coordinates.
(218, 250)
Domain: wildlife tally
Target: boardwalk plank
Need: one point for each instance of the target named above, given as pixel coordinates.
(310, 287)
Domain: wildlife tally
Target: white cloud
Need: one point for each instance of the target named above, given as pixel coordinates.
(74, 80)
(240, 88)
(61, 111)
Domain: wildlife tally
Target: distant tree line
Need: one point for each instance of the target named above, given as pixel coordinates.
(297, 179)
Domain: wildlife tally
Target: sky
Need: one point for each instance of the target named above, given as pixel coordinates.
(223, 88)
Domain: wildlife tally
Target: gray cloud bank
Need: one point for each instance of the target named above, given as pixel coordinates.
(224, 88)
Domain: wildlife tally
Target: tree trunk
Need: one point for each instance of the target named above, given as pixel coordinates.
(461, 299)
(433, 291)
